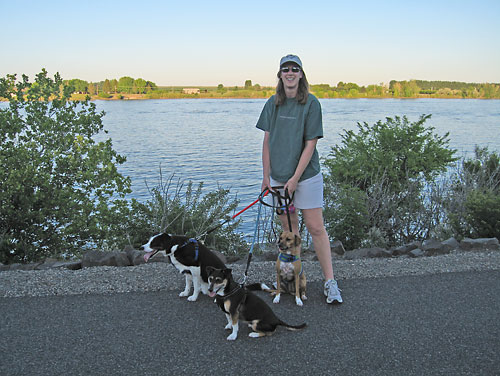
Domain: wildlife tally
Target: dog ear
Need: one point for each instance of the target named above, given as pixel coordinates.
(228, 271)
(298, 240)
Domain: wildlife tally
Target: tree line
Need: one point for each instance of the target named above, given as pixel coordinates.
(124, 85)
(396, 89)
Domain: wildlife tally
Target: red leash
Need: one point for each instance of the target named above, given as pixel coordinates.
(265, 193)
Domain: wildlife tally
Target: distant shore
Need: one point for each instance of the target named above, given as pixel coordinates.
(115, 97)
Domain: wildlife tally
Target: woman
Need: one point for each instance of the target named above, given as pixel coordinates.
(292, 122)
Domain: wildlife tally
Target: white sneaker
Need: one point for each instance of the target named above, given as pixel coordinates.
(332, 292)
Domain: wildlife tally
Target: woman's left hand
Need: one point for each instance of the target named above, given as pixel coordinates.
(291, 185)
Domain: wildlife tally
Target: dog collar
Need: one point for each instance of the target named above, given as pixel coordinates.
(288, 258)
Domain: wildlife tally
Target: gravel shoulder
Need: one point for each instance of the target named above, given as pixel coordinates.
(163, 276)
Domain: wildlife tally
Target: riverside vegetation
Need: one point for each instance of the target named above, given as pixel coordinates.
(130, 88)
(387, 184)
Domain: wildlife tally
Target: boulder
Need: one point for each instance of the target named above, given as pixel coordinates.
(479, 244)
(417, 252)
(135, 256)
(99, 258)
(367, 252)
(432, 247)
(405, 249)
(337, 247)
(451, 244)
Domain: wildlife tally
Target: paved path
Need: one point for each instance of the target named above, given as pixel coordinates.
(442, 324)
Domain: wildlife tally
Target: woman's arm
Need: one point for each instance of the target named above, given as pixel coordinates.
(266, 163)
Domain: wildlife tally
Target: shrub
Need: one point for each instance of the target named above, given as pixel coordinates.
(474, 191)
(483, 214)
(59, 189)
(180, 208)
(394, 165)
(346, 214)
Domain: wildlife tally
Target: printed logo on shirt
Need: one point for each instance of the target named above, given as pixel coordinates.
(288, 117)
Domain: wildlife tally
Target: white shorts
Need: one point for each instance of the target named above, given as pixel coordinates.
(309, 192)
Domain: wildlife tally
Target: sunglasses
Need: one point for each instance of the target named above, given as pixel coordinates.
(287, 69)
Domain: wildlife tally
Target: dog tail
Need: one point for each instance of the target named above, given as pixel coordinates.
(292, 327)
(259, 287)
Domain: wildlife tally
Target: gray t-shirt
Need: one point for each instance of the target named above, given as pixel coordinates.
(289, 126)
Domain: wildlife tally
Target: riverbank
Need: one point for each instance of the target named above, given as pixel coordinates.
(125, 97)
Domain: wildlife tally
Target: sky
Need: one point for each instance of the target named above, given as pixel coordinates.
(207, 43)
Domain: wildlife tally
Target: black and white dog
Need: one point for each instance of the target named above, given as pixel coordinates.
(189, 256)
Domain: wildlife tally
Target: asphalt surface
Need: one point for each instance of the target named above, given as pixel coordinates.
(442, 324)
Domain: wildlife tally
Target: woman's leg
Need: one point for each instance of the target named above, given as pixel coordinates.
(316, 227)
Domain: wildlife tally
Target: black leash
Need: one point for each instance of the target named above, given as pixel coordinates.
(286, 199)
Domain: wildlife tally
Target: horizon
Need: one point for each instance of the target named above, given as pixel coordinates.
(206, 44)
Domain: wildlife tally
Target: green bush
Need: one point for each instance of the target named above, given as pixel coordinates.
(472, 206)
(393, 164)
(59, 189)
(179, 208)
(346, 215)
(483, 214)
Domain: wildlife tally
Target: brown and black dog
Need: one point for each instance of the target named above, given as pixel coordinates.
(239, 303)
(290, 276)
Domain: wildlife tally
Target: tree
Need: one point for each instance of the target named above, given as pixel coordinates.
(59, 188)
(248, 84)
(125, 84)
(140, 86)
(79, 86)
(106, 86)
(114, 85)
(91, 89)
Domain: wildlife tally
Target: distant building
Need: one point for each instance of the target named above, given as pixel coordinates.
(191, 90)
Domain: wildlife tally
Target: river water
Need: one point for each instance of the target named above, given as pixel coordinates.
(215, 140)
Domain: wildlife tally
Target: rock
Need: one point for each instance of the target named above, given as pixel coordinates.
(480, 244)
(337, 247)
(417, 252)
(434, 247)
(135, 256)
(451, 244)
(405, 249)
(367, 252)
(70, 265)
(99, 258)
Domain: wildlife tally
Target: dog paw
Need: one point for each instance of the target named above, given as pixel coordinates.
(254, 335)
(228, 327)
(276, 299)
(184, 293)
(304, 297)
(231, 337)
(299, 302)
(192, 298)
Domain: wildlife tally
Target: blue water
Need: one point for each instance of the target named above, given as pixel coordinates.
(216, 142)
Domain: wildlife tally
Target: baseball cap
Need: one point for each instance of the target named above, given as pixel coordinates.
(291, 59)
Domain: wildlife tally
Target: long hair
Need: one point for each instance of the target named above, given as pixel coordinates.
(302, 91)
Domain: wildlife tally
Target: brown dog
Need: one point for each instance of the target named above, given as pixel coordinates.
(290, 276)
